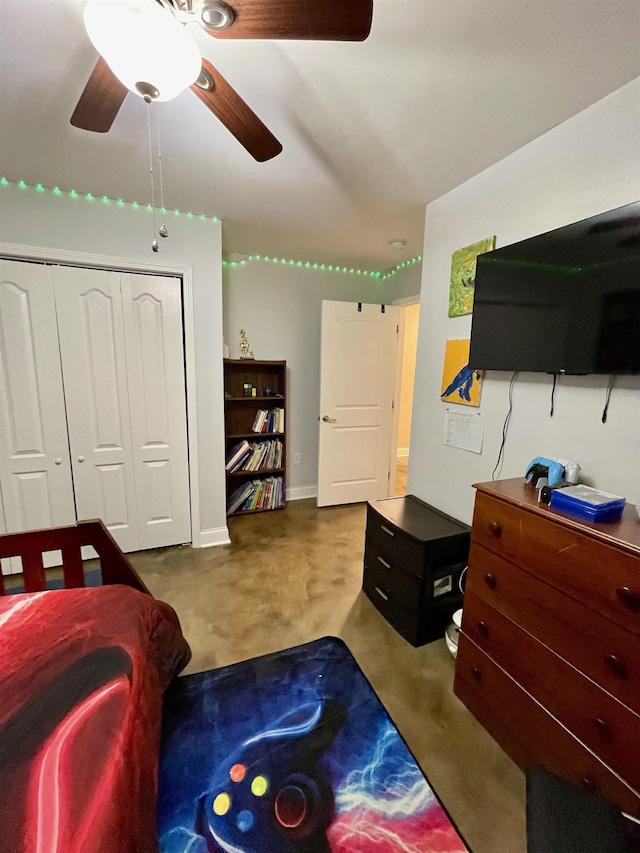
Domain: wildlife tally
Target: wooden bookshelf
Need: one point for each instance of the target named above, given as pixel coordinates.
(240, 410)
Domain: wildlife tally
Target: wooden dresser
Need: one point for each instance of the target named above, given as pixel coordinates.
(549, 654)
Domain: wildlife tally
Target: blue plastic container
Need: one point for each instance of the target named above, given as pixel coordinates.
(588, 503)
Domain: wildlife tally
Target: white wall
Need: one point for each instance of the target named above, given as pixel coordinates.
(585, 166)
(279, 306)
(47, 221)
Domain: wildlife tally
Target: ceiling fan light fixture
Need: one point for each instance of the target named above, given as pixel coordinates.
(216, 14)
(144, 45)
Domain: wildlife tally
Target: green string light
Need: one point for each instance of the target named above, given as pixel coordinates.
(89, 197)
(376, 274)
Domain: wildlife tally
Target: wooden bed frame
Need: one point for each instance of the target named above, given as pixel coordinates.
(30, 545)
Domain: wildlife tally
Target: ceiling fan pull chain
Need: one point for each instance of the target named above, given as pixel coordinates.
(154, 244)
(163, 227)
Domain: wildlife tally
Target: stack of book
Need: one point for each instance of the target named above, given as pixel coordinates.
(268, 421)
(256, 456)
(268, 493)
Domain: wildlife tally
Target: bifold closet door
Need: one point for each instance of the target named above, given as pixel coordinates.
(35, 472)
(123, 365)
(91, 332)
(152, 312)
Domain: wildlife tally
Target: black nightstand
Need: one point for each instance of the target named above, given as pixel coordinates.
(413, 558)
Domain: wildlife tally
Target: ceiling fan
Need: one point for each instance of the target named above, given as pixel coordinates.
(104, 93)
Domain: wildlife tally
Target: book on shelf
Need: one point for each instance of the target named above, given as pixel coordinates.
(239, 496)
(237, 455)
(268, 493)
(256, 456)
(259, 420)
(268, 420)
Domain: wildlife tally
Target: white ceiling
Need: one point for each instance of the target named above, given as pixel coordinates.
(440, 90)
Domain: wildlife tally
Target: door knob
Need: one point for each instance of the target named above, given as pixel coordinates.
(58, 461)
(80, 458)
(328, 420)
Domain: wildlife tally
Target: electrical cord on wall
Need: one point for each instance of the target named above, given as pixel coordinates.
(505, 426)
(553, 393)
(612, 380)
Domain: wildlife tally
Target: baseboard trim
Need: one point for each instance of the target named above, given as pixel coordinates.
(298, 493)
(402, 451)
(211, 537)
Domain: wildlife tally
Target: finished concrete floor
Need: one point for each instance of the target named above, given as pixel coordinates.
(295, 575)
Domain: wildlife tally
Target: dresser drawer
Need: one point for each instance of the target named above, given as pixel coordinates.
(390, 578)
(535, 736)
(395, 544)
(600, 649)
(603, 577)
(603, 724)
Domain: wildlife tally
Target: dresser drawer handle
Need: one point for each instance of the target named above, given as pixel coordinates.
(382, 594)
(386, 530)
(384, 563)
(495, 528)
(476, 672)
(616, 665)
(483, 629)
(490, 580)
(629, 597)
(602, 726)
(588, 783)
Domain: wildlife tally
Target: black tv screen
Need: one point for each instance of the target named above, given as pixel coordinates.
(566, 302)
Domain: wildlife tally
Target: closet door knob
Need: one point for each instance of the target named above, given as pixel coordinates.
(58, 461)
(80, 458)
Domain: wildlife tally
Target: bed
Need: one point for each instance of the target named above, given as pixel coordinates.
(82, 675)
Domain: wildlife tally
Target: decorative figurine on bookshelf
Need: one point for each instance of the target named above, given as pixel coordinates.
(245, 351)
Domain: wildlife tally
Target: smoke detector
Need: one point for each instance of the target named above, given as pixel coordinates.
(398, 244)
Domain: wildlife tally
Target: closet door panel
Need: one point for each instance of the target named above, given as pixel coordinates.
(89, 310)
(152, 310)
(35, 472)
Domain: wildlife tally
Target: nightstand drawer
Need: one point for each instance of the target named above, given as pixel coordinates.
(603, 577)
(512, 715)
(405, 621)
(600, 649)
(603, 724)
(401, 549)
(393, 580)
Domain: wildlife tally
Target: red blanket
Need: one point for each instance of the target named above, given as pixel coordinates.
(82, 673)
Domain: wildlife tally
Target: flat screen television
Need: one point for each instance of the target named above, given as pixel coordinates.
(565, 302)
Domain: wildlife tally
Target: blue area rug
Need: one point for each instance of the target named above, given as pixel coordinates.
(291, 753)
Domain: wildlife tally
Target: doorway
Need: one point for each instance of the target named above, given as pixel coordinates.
(410, 319)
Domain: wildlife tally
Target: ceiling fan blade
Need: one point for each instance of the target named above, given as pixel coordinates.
(100, 101)
(225, 103)
(326, 20)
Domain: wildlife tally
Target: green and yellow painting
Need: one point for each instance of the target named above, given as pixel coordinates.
(463, 276)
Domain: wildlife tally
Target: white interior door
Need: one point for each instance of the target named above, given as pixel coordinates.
(357, 381)
(35, 472)
(91, 330)
(152, 311)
